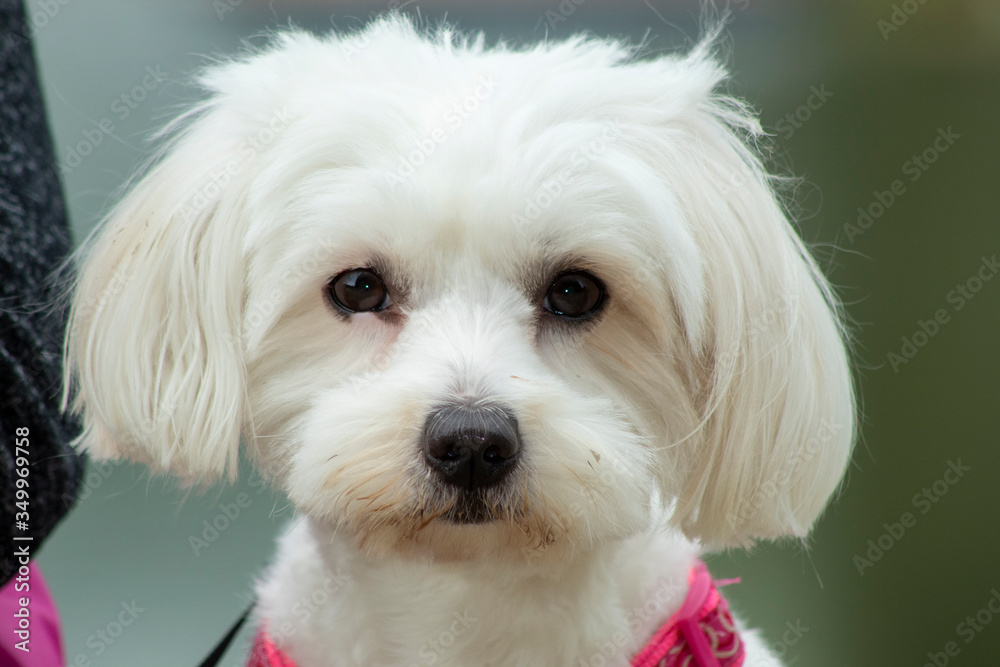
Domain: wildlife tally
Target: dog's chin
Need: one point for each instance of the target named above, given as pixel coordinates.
(473, 508)
(466, 537)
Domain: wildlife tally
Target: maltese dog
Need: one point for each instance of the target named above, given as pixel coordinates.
(520, 332)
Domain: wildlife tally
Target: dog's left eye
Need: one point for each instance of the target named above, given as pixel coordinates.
(575, 295)
(359, 291)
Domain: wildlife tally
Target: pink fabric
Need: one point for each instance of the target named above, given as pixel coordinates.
(701, 634)
(265, 653)
(44, 641)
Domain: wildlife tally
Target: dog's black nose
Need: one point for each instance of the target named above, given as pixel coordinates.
(471, 447)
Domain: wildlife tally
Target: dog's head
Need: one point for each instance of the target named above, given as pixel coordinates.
(458, 300)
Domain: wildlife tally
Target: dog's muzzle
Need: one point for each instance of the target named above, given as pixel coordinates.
(470, 446)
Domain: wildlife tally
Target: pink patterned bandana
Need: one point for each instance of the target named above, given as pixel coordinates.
(701, 634)
(265, 653)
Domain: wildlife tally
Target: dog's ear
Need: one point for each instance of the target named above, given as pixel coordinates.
(773, 391)
(154, 346)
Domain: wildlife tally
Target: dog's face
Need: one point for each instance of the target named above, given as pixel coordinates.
(459, 302)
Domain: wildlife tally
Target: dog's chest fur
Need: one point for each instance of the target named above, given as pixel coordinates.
(328, 606)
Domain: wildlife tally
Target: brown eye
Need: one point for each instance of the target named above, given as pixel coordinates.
(359, 291)
(574, 295)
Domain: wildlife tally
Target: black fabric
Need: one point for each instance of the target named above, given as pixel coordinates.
(34, 240)
(213, 658)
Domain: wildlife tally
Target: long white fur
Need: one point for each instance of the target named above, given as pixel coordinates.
(711, 403)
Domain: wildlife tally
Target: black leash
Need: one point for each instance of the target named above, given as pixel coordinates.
(220, 649)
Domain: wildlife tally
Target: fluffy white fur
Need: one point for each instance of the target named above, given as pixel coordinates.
(708, 405)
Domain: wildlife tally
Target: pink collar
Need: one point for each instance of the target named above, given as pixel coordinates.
(701, 634)
(265, 653)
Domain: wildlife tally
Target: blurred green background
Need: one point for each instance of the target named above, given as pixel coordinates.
(856, 93)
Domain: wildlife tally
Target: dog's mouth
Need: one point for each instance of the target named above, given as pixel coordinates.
(477, 506)
(453, 524)
(472, 507)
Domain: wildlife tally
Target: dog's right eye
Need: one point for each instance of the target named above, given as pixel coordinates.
(359, 291)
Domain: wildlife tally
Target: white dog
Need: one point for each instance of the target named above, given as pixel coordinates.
(519, 332)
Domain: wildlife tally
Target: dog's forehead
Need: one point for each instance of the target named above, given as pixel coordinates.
(448, 226)
(488, 174)
(476, 200)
